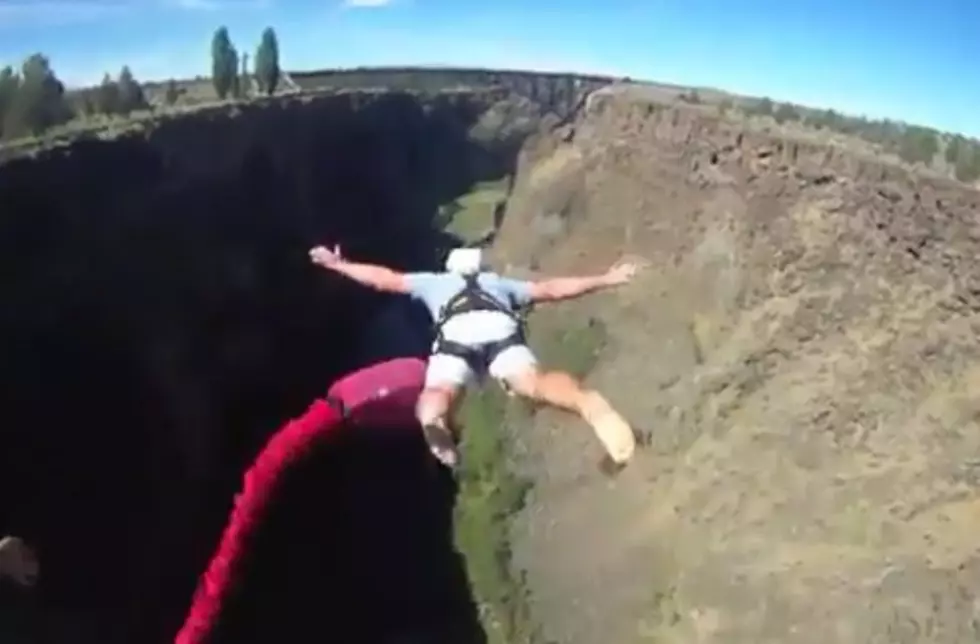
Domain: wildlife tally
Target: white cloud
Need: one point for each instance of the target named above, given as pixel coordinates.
(366, 3)
(195, 5)
(218, 5)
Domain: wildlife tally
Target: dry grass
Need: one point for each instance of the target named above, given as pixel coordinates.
(810, 395)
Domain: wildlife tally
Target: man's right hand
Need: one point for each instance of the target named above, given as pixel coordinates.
(622, 273)
(323, 256)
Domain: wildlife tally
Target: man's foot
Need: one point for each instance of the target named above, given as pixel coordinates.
(610, 428)
(442, 444)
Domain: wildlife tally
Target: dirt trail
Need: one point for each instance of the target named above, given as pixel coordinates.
(804, 352)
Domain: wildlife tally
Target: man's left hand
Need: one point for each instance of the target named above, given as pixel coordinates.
(622, 273)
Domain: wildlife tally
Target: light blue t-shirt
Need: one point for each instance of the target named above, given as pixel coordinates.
(435, 289)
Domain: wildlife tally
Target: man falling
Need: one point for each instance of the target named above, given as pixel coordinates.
(478, 331)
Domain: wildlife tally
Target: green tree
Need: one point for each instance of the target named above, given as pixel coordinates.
(85, 102)
(267, 70)
(763, 107)
(40, 101)
(172, 93)
(691, 97)
(725, 106)
(9, 86)
(918, 144)
(826, 119)
(236, 78)
(131, 96)
(224, 63)
(966, 164)
(785, 112)
(954, 148)
(244, 79)
(107, 96)
(887, 133)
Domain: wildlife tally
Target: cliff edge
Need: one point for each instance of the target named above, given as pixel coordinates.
(802, 353)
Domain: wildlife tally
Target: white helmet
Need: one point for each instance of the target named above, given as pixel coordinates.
(464, 261)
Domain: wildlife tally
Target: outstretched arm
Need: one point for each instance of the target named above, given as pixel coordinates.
(380, 278)
(563, 288)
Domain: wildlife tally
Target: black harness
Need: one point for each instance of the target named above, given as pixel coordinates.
(473, 298)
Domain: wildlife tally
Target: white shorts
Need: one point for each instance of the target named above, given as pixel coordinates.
(449, 370)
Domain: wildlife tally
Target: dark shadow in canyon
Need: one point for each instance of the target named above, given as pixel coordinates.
(161, 320)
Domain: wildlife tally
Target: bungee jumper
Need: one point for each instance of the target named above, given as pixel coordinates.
(479, 332)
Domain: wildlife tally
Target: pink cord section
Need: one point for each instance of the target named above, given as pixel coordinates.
(379, 396)
(287, 445)
(382, 395)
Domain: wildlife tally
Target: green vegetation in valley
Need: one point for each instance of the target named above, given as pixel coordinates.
(472, 216)
(491, 493)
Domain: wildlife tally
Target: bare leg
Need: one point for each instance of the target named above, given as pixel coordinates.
(435, 412)
(452, 417)
(562, 390)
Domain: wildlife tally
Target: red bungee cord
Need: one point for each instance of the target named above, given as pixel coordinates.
(382, 395)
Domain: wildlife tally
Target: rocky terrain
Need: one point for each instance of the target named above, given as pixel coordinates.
(802, 352)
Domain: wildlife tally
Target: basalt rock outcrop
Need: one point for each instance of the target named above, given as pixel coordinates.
(803, 351)
(161, 318)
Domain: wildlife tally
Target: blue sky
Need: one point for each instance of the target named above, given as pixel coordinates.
(916, 60)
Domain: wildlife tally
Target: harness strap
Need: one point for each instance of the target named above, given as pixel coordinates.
(473, 298)
(470, 298)
(479, 356)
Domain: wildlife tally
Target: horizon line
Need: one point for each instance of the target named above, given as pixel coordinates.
(546, 72)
